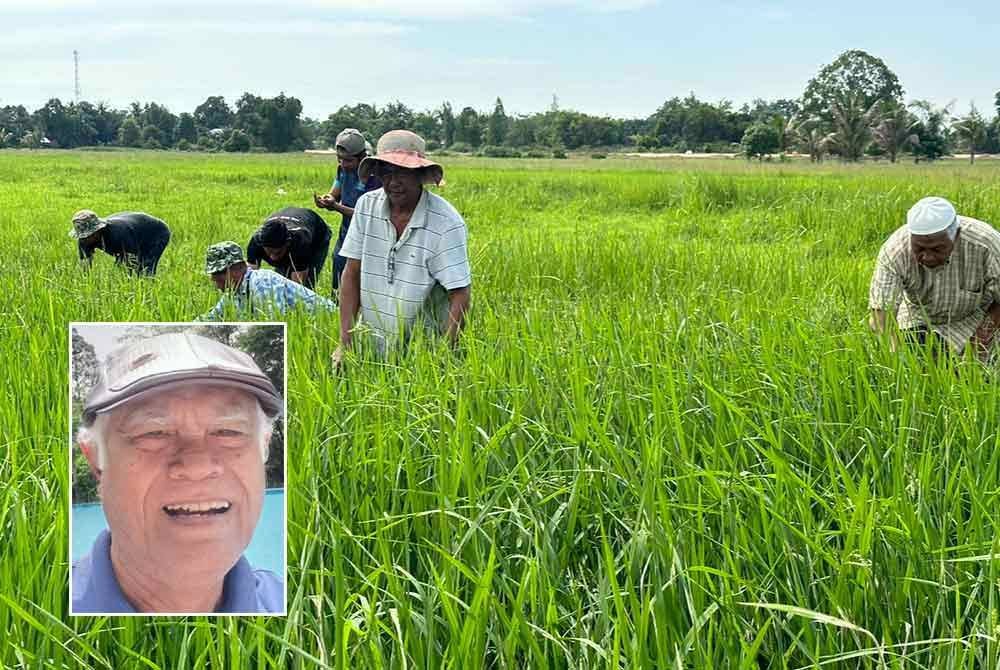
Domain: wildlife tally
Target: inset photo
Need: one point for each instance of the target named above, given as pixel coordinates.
(177, 463)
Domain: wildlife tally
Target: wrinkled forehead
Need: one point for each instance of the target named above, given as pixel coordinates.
(204, 400)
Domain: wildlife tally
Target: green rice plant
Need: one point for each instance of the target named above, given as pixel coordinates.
(668, 440)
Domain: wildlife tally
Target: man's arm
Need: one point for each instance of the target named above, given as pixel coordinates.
(215, 313)
(255, 252)
(350, 304)
(459, 300)
(982, 339)
(86, 254)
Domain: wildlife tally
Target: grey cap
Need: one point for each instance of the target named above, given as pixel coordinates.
(86, 223)
(220, 256)
(350, 141)
(166, 361)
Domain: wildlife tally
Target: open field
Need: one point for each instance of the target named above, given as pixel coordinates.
(669, 441)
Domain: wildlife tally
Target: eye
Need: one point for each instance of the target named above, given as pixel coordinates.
(227, 432)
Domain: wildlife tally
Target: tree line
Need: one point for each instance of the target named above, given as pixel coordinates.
(853, 108)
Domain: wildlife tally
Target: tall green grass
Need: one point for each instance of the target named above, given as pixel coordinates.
(667, 442)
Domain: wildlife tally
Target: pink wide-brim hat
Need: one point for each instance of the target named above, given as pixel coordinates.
(405, 149)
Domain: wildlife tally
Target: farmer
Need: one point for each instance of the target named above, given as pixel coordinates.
(941, 271)
(347, 187)
(135, 239)
(293, 240)
(252, 291)
(177, 433)
(406, 250)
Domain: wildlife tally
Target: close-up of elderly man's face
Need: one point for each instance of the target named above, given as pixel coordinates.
(181, 477)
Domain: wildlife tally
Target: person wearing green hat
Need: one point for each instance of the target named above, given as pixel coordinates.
(251, 291)
(347, 187)
(135, 239)
(939, 275)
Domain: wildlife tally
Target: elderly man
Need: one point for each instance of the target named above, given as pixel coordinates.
(295, 241)
(408, 262)
(135, 239)
(942, 272)
(254, 292)
(347, 187)
(177, 434)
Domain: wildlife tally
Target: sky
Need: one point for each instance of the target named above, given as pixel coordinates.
(620, 58)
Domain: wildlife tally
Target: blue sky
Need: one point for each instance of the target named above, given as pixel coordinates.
(615, 57)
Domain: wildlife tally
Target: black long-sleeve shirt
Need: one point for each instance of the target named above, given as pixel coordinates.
(135, 239)
(309, 238)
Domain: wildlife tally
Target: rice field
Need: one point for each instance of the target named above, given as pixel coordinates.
(668, 440)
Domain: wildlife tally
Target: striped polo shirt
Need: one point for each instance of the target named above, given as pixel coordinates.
(404, 282)
(950, 299)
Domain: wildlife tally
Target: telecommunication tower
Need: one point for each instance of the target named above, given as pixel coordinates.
(76, 75)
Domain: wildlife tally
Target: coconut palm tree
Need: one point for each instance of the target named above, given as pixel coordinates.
(972, 129)
(894, 128)
(852, 122)
(811, 136)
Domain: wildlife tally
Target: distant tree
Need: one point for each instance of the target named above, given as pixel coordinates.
(972, 129)
(854, 73)
(186, 128)
(362, 116)
(852, 123)
(238, 141)
(394, 116)
(86, 372)
(894, 128)
(129, 133)
(152, 138)
(811, 136)
(107, 122)
(996, 103)
(280, 123)
(15, 123)
(496, 125)
(248, 117)
(468, 127)
(213, 113)
(447, 118)
(932, 130)
(427, 126)
(759, 140)
(266, 346)
(53, 120)
(154, 114)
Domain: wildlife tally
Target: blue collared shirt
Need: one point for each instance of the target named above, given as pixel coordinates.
(351, 186)
(263, 292)
(96, 589)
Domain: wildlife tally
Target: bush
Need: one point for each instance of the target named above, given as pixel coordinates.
(598, 156)
(433, 145)
(183, 145)
(461, 147)
(442, 152)
(559, 153)
(499, 152)
(535, 153)
(258, 150)
(237, 141)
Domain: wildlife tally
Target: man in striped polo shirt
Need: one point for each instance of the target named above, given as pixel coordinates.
(941, 272)
(406, 251)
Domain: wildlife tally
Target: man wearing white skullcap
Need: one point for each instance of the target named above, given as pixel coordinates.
(940, 276)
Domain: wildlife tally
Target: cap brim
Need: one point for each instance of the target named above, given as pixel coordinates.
(78, 236)
(404, 159)
(269, 400)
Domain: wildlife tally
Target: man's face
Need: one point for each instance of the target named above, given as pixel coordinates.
(402, 185)
(183, 482)
(275, 254)
(347, 162)
(932, 250)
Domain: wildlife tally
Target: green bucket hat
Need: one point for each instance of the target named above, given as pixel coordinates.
(86, 223)
(221, 255)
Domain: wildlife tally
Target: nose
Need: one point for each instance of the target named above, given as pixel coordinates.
(195, 462)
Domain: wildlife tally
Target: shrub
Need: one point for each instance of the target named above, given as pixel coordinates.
(559, 153)
(598, 156)
(461, 147)
(183, 145)
(499, 152)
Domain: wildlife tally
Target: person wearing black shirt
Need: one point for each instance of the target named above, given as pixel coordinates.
(295, 241)
(135, 239)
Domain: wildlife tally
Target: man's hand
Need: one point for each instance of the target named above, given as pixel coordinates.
(325, 201)
(299, 277)
(983, 338)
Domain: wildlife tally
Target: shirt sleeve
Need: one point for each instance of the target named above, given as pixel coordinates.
(353, 246)
(886, 290)
(214, 313)
(255, 252)
(86, 253)
(450, 263)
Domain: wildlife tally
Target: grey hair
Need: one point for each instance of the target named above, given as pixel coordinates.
(95, 435)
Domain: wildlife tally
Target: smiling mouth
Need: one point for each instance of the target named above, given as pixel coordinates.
(188, 510)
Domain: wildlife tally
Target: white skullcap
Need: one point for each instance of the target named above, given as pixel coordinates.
(929, 216)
